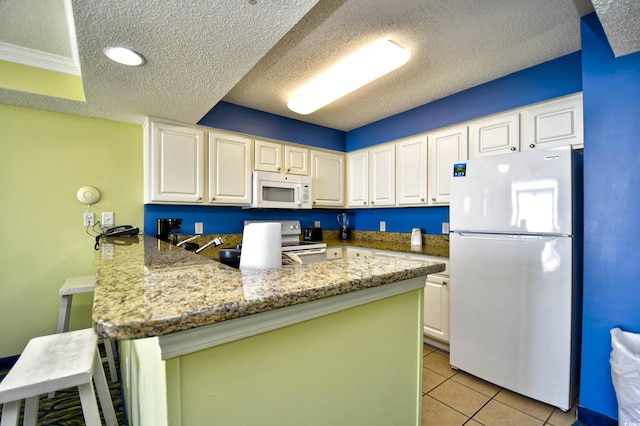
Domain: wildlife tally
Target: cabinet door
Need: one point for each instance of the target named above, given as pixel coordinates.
(382, 175)
(554, 123)
(327, 174)
(358, 179)
(411, 167)
(268, 156)
(229, 169)
(495, 135)
(436, 307)
(296, 160)
(446, 147)
(176, 163)
(334, 253)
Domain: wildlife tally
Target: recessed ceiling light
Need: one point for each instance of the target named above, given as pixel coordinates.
(355, 71)
(124, 56)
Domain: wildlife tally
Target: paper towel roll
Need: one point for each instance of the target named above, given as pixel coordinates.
(261, 246)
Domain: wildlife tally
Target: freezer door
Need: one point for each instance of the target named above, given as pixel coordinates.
(513, 314)
(527, 192)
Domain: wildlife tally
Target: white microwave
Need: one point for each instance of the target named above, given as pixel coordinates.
(280, 191)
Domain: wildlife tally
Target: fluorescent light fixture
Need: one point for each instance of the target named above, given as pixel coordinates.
(355, 71)
(124, 56)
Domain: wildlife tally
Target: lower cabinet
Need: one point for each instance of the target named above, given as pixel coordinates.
(436, 307)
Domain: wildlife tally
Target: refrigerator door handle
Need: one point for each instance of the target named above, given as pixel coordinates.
(512, 237)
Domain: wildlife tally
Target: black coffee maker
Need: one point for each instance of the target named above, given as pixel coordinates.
(345, 232)
(165, 230)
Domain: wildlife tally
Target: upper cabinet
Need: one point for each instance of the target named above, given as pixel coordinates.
(229, 169)
(281, 158)
(371, 177)
(327, 174)
(174, 163)
(499, 134)
(552, 124)
(382, 175)
(446, 147)
(411, 171)
(358, 179)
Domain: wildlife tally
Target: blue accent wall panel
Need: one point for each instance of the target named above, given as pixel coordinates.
(230, 220)
(611, 89)
(428, 219)
(236, 118)
(559, 77)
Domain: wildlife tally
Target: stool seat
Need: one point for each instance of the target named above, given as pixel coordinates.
(56, 362)
(77, 285)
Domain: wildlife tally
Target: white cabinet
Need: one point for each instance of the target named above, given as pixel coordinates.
(229, 169)
(358, 178)
(296, 160)
(436, 307)
(498, 134)
(371, 177)
(281, 158)
(446, 147)
(411, 171)
(174, 163)
(382, 175)
(327, 174)
(554, 123)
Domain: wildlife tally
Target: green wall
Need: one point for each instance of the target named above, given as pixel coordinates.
(46, 157)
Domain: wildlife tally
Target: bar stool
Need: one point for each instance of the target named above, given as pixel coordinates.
(76, 285)
(56, 362)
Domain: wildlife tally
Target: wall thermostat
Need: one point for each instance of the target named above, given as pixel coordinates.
(88, 195)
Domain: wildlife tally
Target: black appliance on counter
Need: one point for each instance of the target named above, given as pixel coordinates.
(165, 230)
(312, 234)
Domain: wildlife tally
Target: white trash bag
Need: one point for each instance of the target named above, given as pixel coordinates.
(625, 372)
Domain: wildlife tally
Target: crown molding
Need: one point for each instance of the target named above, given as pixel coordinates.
(38, 59)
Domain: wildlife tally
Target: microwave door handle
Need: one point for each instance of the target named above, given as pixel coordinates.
(298, 195)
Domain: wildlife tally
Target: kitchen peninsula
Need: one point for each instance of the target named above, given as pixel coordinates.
(335, 342)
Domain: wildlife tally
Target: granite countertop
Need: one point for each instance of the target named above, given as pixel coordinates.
(146, 287)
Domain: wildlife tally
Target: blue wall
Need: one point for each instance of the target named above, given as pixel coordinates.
(246, 120)
(551, 79)
(611, 90)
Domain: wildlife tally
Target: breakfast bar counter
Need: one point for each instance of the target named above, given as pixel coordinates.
(334, 342)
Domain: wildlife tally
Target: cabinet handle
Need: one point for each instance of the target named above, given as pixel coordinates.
(421, 199)
(433, 199)
(279, 168)
(513, 148)
(288, 170)
(364, 202)
(199, 198)
(213, 198)
(532, 145)
(373, 202)
(314, 202)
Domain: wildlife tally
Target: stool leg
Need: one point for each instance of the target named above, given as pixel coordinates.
(65, 312)
(89, 405)
(103, 392)
(10, 413)
(31, 410)
(108, 348)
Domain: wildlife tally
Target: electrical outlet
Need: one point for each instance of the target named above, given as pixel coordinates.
(317, 224)
(383, 226)
(199, 228)
(445, 227)
(88, 219)
(107, 218)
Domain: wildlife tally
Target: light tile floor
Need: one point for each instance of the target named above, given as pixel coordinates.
(455, 398)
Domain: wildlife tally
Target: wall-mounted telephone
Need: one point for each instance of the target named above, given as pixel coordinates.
(117, 231)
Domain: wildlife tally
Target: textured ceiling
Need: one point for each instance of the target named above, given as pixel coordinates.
(257, 53)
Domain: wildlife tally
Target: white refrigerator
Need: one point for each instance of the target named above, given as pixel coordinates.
(516, 271)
